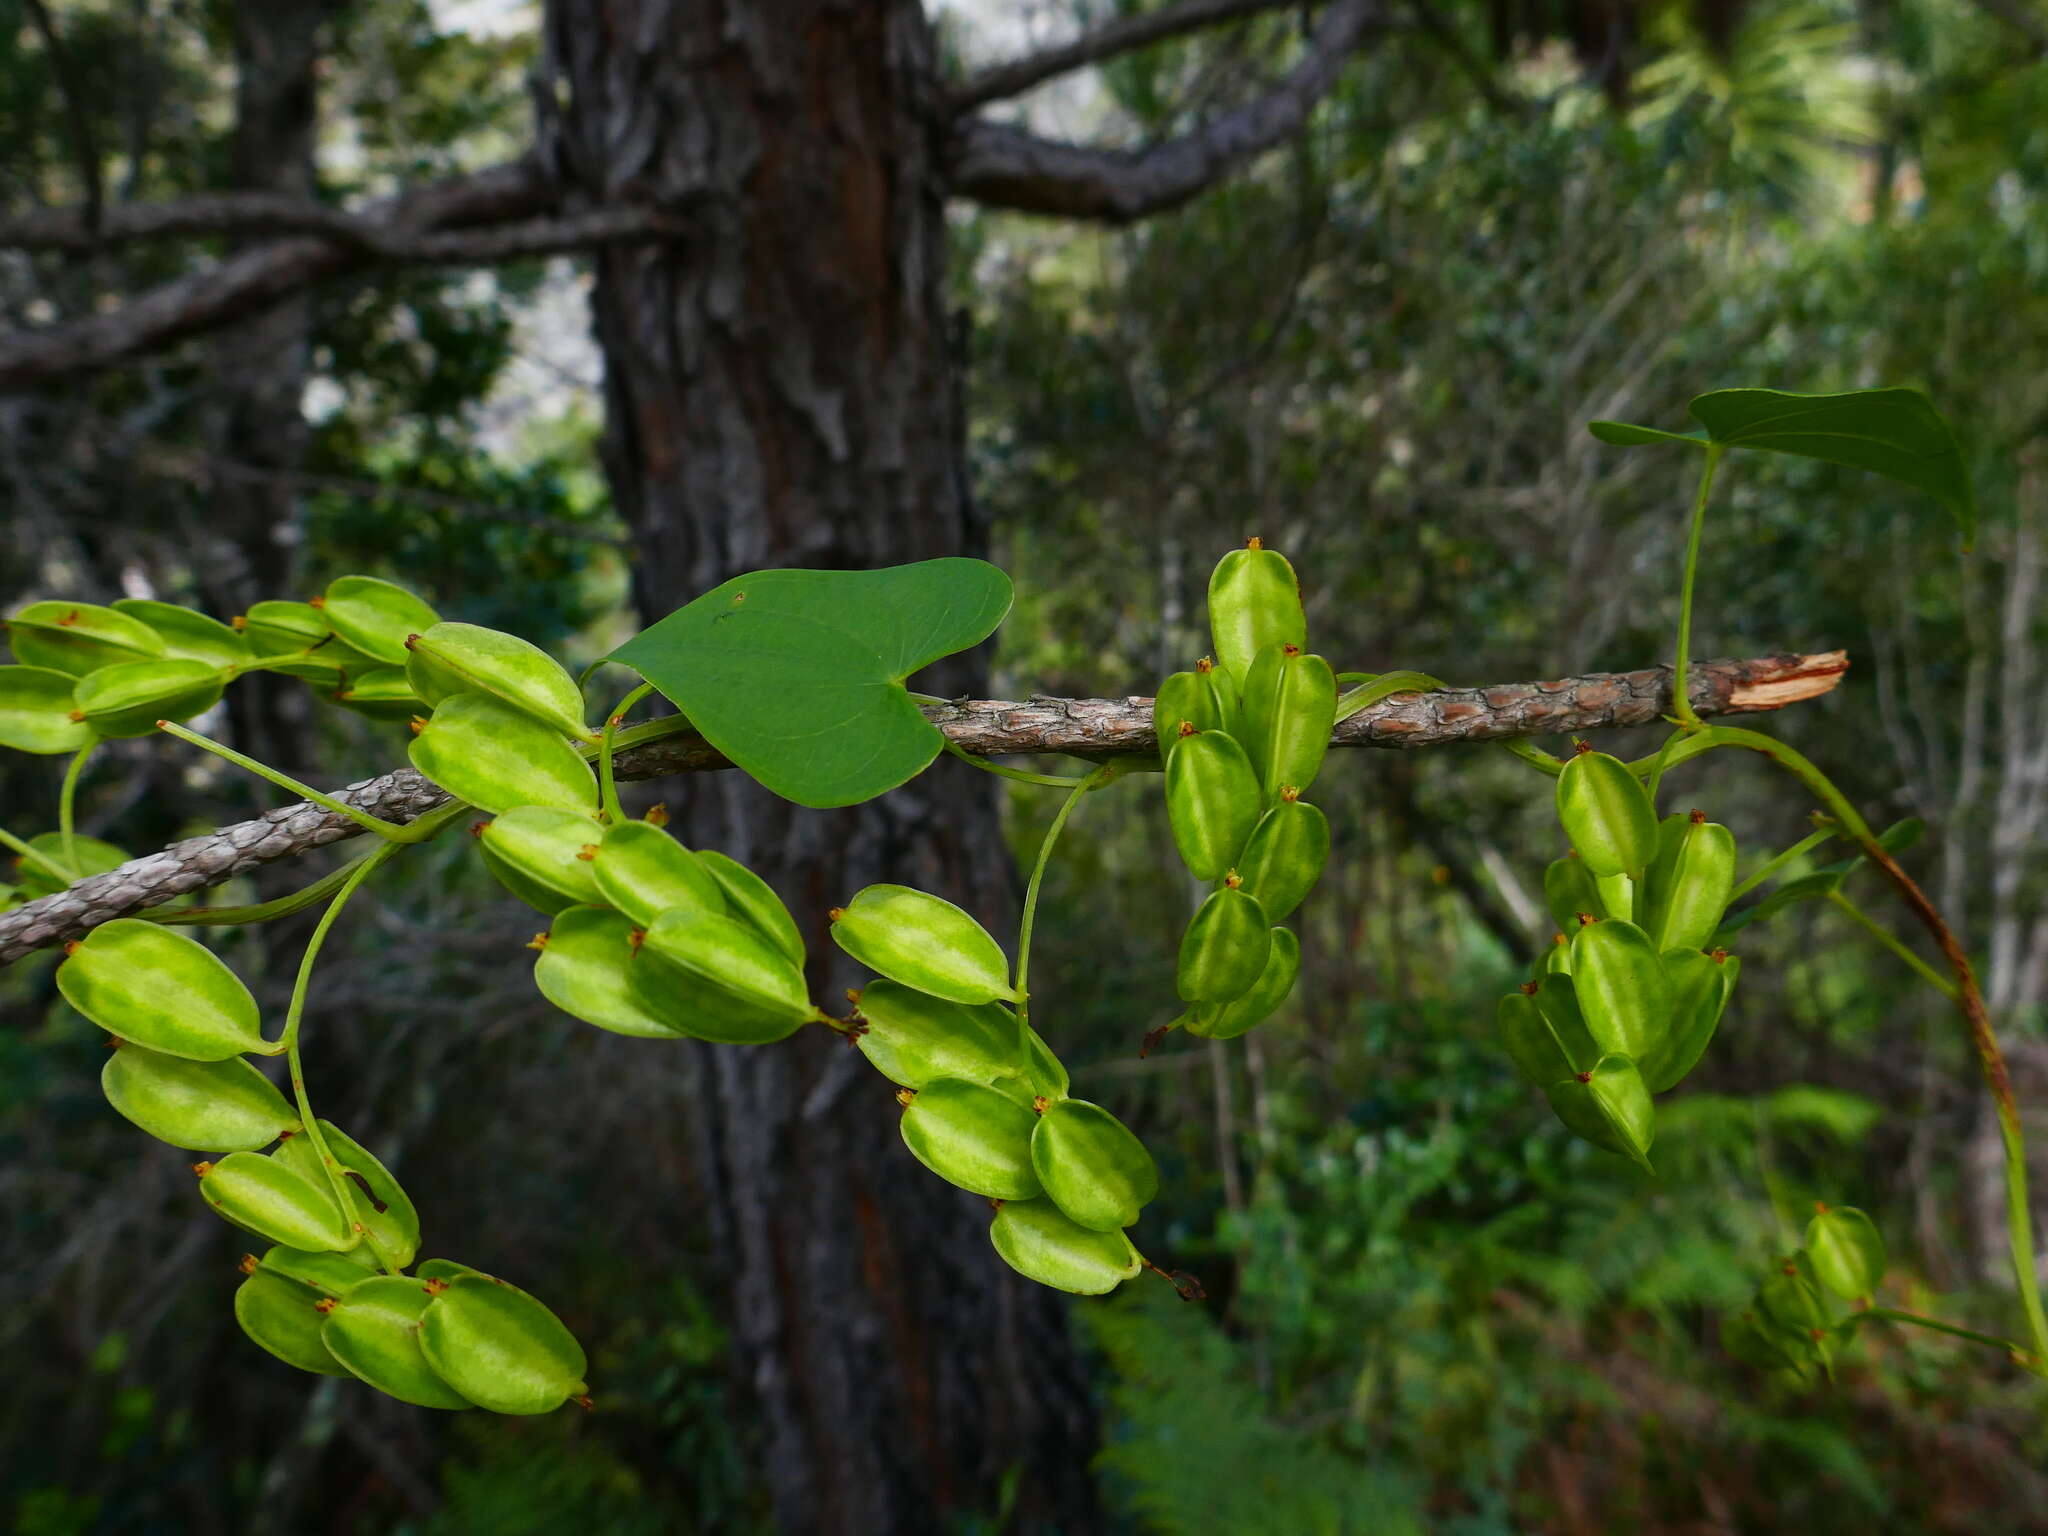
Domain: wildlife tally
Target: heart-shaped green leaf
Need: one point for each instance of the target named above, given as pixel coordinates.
(797, 676)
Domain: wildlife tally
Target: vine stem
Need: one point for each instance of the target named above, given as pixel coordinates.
(1052, 836)
(1680, 694)
(1893, 1315)
(1969, 1000)
(67, 800)
(608, 786)
(294, 1017)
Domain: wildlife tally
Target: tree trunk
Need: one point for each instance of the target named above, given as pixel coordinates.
(780, 391)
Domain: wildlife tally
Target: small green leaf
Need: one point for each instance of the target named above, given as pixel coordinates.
(798, 676)
(1896, 433)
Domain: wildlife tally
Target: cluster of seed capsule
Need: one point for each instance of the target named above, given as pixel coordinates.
(1624, 1002)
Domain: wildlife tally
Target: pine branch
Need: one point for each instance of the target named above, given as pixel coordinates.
(1126, 34)
(1088, 728)
(1007, 167)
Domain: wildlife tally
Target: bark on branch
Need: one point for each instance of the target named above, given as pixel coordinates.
(1125, 35)
(488, 217)
(1006, 167)
(1089, 728)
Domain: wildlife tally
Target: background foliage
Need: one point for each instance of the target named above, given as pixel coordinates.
(1429, 1309)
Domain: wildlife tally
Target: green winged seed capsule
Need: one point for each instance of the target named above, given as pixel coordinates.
(324, 1274)
(1606, 814)
(1224, 950)
(375, 617)
(278, 630)
(1284, 857)
(1846, 1251)
(1222, 697)
(924, 942)
(1568, 890)
(1697, 988)
(1181, 701)
(444, 1269)
(284, 1317)
(276, 1201)
(1254, 602)
(1290, 704)
(913, 1038)
(188, 634)
(376, 1332)
(1226, 1021)
(1212, 800)
(587, 968)
(78, 638)
(128, 698)
(1092, 1165)
(501, 1348)
(973, 1136)
(1618, 980)
(37, 713)
(211, 1106)
(729, 961)
(1041, 1243)
(1045, 1072)
(1789, 1301)
(1529, 1042)
(162, 989)
(497, 757)
(643, 871)
(382, 693)
(1617, 897)
(753, 900)
(380, 1207)
(1687, 888)
(447, 659)
(1608, 1106)
(544, 855)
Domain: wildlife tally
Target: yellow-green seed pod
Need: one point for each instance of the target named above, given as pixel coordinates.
(88, 855)
(375, 1331)
(1092, 1165)
(275, 1201)
(1608, 1106)
(1213, 801)
(78, 638)
(1224, 950)
(37, 713)
(129, 697)
(1697, 988)
(1568, 890)
(1791, 1301)
(324, 1274)
(923, 941)
(1035, 1238)
(1606, 814)
(754, 902)
(644, 872)
(501, 1348)
(444, 1269)
(496, 757)
(748, 990)
(188, 634)
(1290, 705)
(1530, 1042)
(1202, 699)
(1226, 1021)
(378, 1205)
(1284, 857)
(162, 989)
(277, 630)
(375, 617)
(1254, 602)
(1617, 897)
(1846, 1251)
(913, 1038)
(1043, 1070)
(1687, 888)
(382, 693)
(448, 659)
(284, 1317)
(1556, 959)
(1618, 979)
(211, 1106)
(589, 967)
(972, 1136)
(544, 856)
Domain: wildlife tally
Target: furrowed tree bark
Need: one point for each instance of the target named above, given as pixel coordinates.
(780, 390)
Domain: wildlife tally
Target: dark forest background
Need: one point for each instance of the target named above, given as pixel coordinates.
(1374, 344)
